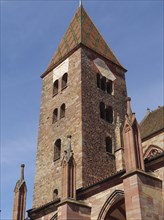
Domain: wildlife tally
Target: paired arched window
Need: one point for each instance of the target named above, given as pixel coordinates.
(55, 115)
(106, 113)
(62, 111)
(57, 149)
(104, 84)
(109, 145)
(64, 81)
(55, 194)
(55, 87)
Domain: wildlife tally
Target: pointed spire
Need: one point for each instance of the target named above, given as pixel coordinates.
(132, 141)
(81, 31)
(80, 3)
(20, 193)
(68, 172)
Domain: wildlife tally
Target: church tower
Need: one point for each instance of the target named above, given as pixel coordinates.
(82, 106)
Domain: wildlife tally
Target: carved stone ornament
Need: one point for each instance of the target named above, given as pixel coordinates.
(127, 128)
(152, 151)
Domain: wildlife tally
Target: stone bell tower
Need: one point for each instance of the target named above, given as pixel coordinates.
(83, 93)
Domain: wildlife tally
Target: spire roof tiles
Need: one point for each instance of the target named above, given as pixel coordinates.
(82, 31)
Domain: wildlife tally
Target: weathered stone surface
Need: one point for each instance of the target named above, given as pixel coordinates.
(82, 121)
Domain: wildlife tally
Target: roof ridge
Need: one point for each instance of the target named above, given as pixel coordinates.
(102, 38)
(151, 112)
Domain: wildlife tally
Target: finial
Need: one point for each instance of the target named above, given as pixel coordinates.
(22, 171)
(129, 111)
(80, 3)
(148, 111)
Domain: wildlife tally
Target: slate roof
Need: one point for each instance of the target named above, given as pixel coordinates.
(152, 123)
(82, 31)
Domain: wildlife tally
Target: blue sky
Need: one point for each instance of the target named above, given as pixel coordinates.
(30, 34)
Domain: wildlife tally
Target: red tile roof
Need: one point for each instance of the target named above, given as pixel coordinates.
(152, 123)
(82, 30)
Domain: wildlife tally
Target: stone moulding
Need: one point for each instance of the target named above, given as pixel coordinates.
(112, 199)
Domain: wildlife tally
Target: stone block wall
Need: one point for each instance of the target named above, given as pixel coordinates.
(143, 197)
(48, 172)
(82, 121)
(97, 163)
(73, 211)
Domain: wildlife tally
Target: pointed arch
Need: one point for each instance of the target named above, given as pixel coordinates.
(152, 151)
(114, 198)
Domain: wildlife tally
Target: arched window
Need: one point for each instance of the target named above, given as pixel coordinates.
(55, 115)
(109, 114)
(98, 80)
(102, 110)
(55, 194)
(62, 111)
(64, 80)
(57, 149)
(109, 145)
(103, 83)
(109, 87)
(55, 87)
